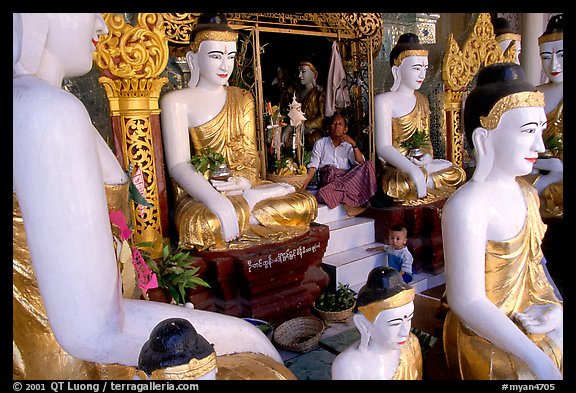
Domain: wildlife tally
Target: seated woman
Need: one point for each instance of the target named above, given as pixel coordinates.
(345, 175)
(387, 348)
(209, 114)
(312, 98)
(505, 322)
(548, 173)
(70, 320)
(399, 113)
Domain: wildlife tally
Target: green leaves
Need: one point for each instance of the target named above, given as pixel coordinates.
(208, 160)
(342, 299)
(417, 140)
(176, 271)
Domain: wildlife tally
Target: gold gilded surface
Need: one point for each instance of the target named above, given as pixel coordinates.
(139, 151)
(408, 53)
(512, 101)
(194, 369)
(371, 311)
(515, 279)
(133, 52)
(36, 355)
(212, 35)
(459, 67)
(550, 37)
(232, 133)
(249, 365)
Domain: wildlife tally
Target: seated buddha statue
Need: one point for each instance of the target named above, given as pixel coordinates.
(399, 114)
(548, 173)
(312, 99)
(209, 114)
(504, 320)
(70, 318)
(387, 349)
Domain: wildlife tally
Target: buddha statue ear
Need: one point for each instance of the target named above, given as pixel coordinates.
(397, 78)
(31, 33)
(192, 60)
(364, 326)
(483, 152)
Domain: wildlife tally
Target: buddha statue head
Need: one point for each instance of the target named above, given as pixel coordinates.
(212, 50)
(385, 309)
(175, 351)
(506, 36)
(409, 62)
(551, 44)
(307, 73)
(504, 115)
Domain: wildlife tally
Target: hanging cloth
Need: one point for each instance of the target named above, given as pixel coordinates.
(337, 95)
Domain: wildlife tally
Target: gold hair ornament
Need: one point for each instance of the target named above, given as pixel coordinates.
(408, 53)
(508, 36)
(550, 37)
(307, 63)
(513, 101)
(371, 311)
(212, 35)
(193, 370)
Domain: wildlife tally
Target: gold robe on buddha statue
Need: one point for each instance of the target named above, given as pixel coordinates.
(515, 280)
(410, 363)
(232, 133)
(398, 184)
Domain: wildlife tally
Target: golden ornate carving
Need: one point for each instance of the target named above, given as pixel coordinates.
(131, 59)
(512, 101)
(459, 67)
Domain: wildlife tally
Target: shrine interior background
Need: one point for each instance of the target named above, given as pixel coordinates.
(365, 41)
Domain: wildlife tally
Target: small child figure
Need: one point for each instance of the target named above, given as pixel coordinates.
(399, 257)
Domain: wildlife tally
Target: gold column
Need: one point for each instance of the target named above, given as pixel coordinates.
(131, 58)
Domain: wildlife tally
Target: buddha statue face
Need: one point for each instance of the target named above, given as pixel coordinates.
(215, 60)
(552, 56)
(71, 38)
(306, 75)
(392, 326)
(412, 71)
(517, 140)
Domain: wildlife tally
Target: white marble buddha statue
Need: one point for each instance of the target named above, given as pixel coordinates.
(505, 321)
(70, 320)
(209, 114)
(387, 349)
(399, 114)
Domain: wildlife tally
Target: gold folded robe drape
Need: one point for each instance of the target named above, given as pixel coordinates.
(410, 365)
(515, 279)
(397, 184)
(232, 133)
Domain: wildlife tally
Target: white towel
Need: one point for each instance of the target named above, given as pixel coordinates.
(337, 95)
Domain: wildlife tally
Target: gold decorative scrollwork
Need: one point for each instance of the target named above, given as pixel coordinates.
(459, 68)
(133, 52)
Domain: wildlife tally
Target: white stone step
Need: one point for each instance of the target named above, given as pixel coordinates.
(420, 282)
(352, 266)
(349, 233)
(326, 215)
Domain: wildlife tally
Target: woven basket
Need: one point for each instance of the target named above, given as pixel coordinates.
(294, 180)
(300, 334)
(334, 316)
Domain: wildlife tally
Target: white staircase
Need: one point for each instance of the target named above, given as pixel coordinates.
(346, 259)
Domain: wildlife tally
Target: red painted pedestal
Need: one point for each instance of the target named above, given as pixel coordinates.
(273, 282)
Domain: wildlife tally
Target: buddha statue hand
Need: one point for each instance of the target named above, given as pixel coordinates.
(234, 185)
(266, 191)
(549, 164)
(226, 213)
(540, 318)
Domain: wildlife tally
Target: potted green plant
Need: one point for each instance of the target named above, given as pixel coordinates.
(175, 271)
(413, 144)
(336, 306)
